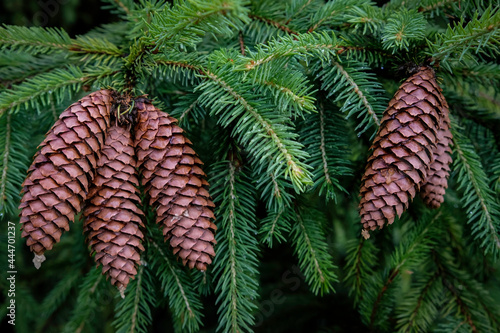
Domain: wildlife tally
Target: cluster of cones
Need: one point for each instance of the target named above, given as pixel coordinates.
(410, 154)
(92, 156)
(91, 160)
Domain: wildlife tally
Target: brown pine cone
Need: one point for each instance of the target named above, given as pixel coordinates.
(112, 218)
(176, 185)
(402, 150)
(434, 188)
(59, 177)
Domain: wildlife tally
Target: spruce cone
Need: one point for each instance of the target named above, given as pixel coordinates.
(112, 217)
(435, 186)
(402, 150)
(176, 185)
(58, 179)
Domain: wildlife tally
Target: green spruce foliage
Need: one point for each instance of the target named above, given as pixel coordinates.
(281, 100)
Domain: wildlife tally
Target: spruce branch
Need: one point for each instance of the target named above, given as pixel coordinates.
(403, 28)
(360, 261)
(460, 302)
(451, 9)
(242, 43)
(295, 8)
(359, 47)
(17, 66)
(180, 61)
(186, 22)
(53, 111)
(235, 265)
(91, 289)
(36, 41)
(435, 4)
(177, 67)
(133, 311)
(482, 296)
(419, 310)
(92, 45)
(365, 18)
(257, 133)
(300, 102)
(483, 73)
(359, 91)
(311, 249)
(425, 6)
(452, 324)
(322, 46)
(393, 273)
(7, 130)
(34, 92)
(56, 297)
(269, 228)
(189, 112)
(275, 226)
(13, 161)
(466, 102)
(483, 211)
(275, 190)
(420, 300)
(273, 23)
(322, 147)
(324, 136)
(290, 91)
(33, 40)
(183, 301)
(411, 252)
(481, 34)
(334, 12)
(465, 298)
(495, 184)
(125, 7)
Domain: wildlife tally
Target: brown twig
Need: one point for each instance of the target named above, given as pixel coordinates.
(242, 44)
(276, 24)
(391, 278)
(464, 309)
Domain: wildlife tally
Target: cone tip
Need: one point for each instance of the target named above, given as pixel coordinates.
(38, 259)
(365, 234)
(121, 289)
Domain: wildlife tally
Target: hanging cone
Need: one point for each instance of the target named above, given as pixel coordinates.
(434, 188)
(402, 150)
(176, 185)
(59, 177)
(112, 218)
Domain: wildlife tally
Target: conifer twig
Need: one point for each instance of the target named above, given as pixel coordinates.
(5, 159)
(358, 92)
(397, 268)
(275, 24)
(291, 163)
(464, 309)
(415, 311)
(321, 112)
(242, 43)
(175, 275)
